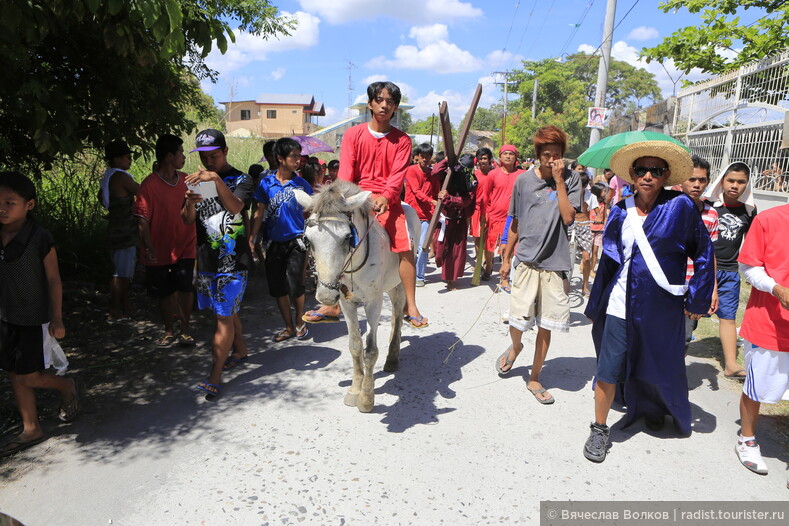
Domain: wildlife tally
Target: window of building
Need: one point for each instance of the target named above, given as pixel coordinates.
(271, 114)
(245, 115)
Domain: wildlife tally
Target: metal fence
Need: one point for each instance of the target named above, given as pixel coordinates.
(740, 116)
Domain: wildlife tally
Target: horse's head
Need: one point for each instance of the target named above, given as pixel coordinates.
(331, 232)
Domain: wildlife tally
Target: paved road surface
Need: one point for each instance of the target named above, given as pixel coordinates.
(448, 442)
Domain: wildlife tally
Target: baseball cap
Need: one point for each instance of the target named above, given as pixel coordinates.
(208, 140)
(116, 149)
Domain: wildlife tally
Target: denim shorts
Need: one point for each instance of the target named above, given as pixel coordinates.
(222, 292)
(612, 362)
(728, 294)
(124, 260)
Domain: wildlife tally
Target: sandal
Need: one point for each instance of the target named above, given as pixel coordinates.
(283, 335)
(507, 361)
(233, 361)
(69, 408)
(212, 390)
(302, 333)
(17, 444)
(165, 341)
(417, 322)
(322, 318)
(186, 340)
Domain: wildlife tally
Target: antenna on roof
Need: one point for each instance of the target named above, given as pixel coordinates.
(349, 67)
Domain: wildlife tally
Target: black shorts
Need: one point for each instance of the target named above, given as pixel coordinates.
(21, 348)
(163, 280)
(285, 270)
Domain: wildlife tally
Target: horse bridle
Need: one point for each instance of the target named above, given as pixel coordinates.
(348, 219)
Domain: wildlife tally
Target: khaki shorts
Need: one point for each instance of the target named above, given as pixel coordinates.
(539, 296)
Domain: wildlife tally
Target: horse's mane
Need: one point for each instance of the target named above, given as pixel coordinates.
(330, 199)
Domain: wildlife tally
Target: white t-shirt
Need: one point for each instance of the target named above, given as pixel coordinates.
(617, 302)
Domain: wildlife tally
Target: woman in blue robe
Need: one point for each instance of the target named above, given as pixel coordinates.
(648, 355)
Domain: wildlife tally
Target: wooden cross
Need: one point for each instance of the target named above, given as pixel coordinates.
(449, 148)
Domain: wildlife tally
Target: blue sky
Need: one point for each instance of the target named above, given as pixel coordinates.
(434, 50)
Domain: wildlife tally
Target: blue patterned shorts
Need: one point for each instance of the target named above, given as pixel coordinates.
(222, 292)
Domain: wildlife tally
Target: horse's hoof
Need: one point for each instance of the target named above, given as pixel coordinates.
(390, 366)
(365, 407)
(351, 400)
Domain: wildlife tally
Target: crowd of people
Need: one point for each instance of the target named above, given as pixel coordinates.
(662, 245)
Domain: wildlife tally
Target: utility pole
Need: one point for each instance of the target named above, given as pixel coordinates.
(350, 67)
(506, 84)
(605, 61)
(534, 98)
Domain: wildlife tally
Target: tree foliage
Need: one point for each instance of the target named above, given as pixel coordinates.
(487, 119)
(721, 28)
(565, 91)
(422, 126)
(80, 73)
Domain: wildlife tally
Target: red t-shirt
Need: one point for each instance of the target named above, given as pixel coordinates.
(421, 189)
(160, 203)
(375, 164)
(481, 178)
(766, 323)
(498, 191)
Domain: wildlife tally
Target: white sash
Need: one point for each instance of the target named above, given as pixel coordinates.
(649, 255)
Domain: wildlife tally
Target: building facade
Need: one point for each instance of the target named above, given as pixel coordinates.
(272, 116)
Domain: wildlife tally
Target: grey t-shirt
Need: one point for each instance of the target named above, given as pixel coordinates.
(542, 235)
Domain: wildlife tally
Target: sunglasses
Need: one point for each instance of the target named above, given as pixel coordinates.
(656, 171)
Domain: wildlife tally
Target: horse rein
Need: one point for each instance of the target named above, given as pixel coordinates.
(336, 285)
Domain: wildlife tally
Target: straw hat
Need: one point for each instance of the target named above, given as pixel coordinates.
(677, 157)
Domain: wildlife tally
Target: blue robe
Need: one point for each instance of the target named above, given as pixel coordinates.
(656, 384)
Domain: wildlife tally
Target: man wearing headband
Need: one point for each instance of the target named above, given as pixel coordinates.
(640, 298)
(497, 190)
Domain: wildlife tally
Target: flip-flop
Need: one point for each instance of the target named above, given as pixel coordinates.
(322, 318)
(422, 323)
(304, 335)
(506, 289)
(283, 335)
(538, 391)
(16, 445)
(168, 340)
(212, 390)
(233, 361)
(186, 340)
(736, 375)
(69, 410)
(507, 362)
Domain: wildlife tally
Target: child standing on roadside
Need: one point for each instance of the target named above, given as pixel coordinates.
(30, 310)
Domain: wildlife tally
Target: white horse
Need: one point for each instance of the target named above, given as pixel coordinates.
(355, 267)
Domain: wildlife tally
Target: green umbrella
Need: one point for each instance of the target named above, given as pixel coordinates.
(599, 155)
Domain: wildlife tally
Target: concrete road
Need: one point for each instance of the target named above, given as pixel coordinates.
(448, 441)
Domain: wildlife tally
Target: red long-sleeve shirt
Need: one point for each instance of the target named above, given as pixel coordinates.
(421, 189)
(377, 165)
(481, 178)
(497, 190)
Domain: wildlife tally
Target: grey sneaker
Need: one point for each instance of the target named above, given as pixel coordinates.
(420, 283)
(596, 445)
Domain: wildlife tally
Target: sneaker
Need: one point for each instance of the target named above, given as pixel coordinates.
(751, 457)
(420, 283)
(596, 445)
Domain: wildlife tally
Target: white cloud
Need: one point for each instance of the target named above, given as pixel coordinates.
(333, 116)
(643, 33)
(433, 52)
(426, 35)
(665, 75)
(374, 78)
(278, 73)
(250, 48)
(412, 11)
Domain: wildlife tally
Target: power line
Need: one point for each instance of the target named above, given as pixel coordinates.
(507, 38)
(526, 27)
(577, 27)
(537, 36)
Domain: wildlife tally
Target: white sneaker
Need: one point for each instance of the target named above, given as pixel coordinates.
(751, 457)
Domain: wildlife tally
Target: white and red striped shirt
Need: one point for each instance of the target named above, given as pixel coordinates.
(710, 219)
